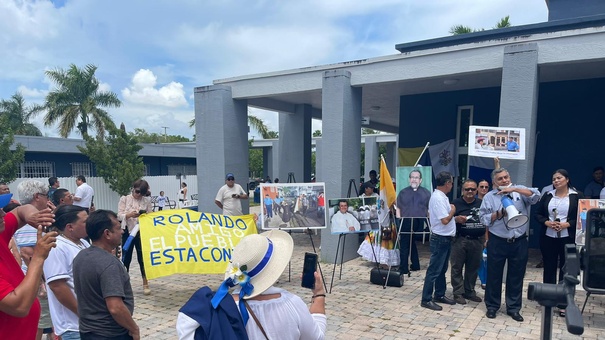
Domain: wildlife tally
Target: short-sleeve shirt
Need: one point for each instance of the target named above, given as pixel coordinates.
(97, 276)
(59, 266)
(473, 226)
(231, 206)
(10, 277)
(85, 193)
(439, 207)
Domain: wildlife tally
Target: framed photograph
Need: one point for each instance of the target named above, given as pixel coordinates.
(353, 215)
(489, 141)
(293, 205)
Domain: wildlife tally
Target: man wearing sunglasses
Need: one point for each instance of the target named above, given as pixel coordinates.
(229, 196)
(467, 248)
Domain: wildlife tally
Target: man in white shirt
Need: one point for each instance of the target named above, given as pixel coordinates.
(443, 230)
(84, 193)
(229, 196)
(343, 221)
(58, 270)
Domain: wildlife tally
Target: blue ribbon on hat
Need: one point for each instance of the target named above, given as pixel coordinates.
(246, 286)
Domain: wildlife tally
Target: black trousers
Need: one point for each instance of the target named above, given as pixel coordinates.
(136, 243)
(499, 251)
(553, 255)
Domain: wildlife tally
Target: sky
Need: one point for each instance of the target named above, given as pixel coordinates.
(152, 54)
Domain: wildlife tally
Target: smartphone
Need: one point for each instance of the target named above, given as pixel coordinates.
(309, 268)
(141, 212)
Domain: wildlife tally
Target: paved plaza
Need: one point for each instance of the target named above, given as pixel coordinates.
(357, 309)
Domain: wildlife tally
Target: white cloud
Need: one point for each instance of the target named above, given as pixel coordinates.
(32, 93)
(142, 90)
(104, 87)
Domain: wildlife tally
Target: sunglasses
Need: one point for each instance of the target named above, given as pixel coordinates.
(231, 179)
(470, 189)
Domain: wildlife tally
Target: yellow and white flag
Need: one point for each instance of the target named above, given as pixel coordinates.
(387, 193)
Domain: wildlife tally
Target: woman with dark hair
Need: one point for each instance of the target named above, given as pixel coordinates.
(557, 212)
(183, 193)
(129, 209)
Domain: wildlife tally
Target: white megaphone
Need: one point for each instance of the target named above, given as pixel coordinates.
(514, 219)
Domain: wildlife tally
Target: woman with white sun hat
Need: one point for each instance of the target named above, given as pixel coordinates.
(267, 312)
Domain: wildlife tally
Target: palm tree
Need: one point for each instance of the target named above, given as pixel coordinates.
(255, 122)
(461, 29)
(17, 115)
(504, 22)
(77, 97)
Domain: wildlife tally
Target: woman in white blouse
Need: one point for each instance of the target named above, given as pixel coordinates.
(130, 208)
(557, 212)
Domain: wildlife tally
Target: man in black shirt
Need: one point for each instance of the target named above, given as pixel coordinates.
(467, 247)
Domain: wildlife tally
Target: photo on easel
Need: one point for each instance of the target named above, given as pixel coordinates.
(414, 188)
(293, 206)
(353, 215)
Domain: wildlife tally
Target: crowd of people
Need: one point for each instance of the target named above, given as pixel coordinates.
(62, 271)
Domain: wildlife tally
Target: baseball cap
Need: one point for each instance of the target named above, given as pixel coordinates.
(5, 199)
(229, 175)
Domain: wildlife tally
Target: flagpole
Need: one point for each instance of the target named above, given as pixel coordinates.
(422, 153)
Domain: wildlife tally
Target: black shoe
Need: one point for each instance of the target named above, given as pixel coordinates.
(473, 298)
(516, 316)
(444, 299)
(431, 305)
(414, 269)
(491, 314)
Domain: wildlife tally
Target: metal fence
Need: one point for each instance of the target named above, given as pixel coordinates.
(105, 198)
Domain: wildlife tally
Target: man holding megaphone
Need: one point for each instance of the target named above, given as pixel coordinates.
(505, 212)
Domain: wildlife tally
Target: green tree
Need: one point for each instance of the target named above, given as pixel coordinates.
(272, 134)
(317, 133)
(17, 115)
(461, 29)
(142, 136)
(77, 101)
(255, 160)
(116, 158)
(9, 160)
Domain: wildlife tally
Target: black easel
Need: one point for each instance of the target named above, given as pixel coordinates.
(343, 238)
(291, 179)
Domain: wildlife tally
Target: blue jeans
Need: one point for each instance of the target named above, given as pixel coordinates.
(70, 335)
(435, 274)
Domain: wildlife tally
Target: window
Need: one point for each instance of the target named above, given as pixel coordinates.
(181, 169)
(36, 169)
(84, 169)
(147, 170)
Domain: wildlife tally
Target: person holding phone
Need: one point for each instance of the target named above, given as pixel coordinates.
(229, 197)
(130, 208)
(266, 311)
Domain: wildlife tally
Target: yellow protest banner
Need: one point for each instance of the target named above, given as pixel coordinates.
(189, 242)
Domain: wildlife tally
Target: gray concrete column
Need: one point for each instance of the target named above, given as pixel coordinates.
(268, 163)
(519, 104)
(371, 156)
(318, 148)
(275, 161)
(340, 149)
(391, 158)
(295, 144)
(221, 127)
